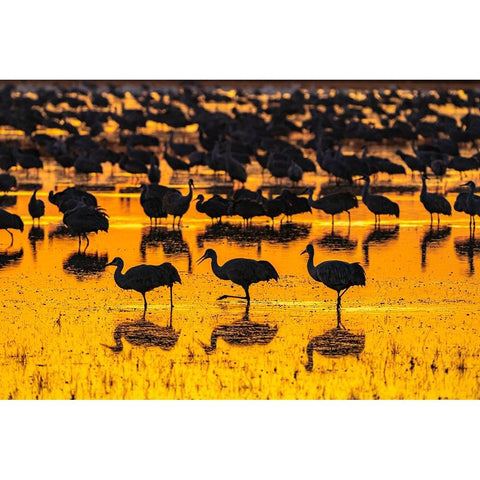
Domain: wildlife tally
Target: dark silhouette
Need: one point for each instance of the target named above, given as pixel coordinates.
(143, 278)
(434, 202)
(378, 236)
(335, 343)
(243, 332)
(10, 221)
(36, 207)
(334, 204)
(241, 271)
(176, 204)
(84, 265)
(335, 274)
(378, 204)
(144, 334)
(433, 237)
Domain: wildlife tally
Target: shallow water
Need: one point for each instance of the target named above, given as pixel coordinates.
(411, 331)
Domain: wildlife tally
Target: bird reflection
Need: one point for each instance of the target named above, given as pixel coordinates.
(144, 334)
(8, 258)
(468, 247)
(254, 235)
(377, 236)
(336, 243)
(8, 200)
(61, 231)
(35, 235)
(83, 265)
(335, 343)
(243, 332)
(172, 243)
(433, 237)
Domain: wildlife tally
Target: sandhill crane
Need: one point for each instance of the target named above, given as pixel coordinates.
(434, 202)
(472, 203)
(67, 199)
(241, 271)
(10, 221)
(334, 204)
(182, 149)
(378, 204)
(335, 274)
(143, 278)
(176, 204)
(214, 207)
(83, 219)
(36, 207)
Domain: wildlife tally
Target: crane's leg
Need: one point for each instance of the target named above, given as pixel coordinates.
(79, 242)
(170, 324)
(247, 296)
(144, 305)
(431, 219)
(88, 242)
(438, 219)
(11, 235)
(333, 223)
(341, 294)
(349, 218)
(171, 297)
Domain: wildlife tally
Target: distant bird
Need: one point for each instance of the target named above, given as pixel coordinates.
(472, 203)
(413, 163)
(248, 208)
(36, 207)
(335, 274)
(378, 204)
(294, 172)
(175, 163)
(83, 219)
(7, 182)
(215, 207)
(10, 220)
(434, 202)
(143, 278)
(176, 204)
(334, 204)
(182, 149)
(87, 165)
(241, 271)
(67, 199)
(154, 172)
(294, 204)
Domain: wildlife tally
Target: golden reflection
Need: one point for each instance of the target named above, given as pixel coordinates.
(243, 332)
(144, 334)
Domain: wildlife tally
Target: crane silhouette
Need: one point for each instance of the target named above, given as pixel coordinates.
(241, 271)
(472, 203)
(176, 204)
(335, 274)
(378, 204)
(333, 204)
(143, 278)
(434, 202)
(83, 219)
(36, 207)
(10, 221)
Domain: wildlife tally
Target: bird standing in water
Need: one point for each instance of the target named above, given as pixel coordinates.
(36, 207)
(336, 275)
(143, 278)
(241, 271)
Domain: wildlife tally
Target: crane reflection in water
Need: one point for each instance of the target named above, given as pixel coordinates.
(243, 333)
(141, 333)
(434, 238)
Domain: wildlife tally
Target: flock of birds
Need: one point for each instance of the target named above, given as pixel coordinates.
(286, 135)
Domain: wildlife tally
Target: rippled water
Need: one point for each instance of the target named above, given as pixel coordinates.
(411, 331)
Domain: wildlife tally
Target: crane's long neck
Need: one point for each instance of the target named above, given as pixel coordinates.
(310, 266)
(216, 268)
(199, 205)
(424, 188)
(365, 192)
(190, 193)
(118, 276)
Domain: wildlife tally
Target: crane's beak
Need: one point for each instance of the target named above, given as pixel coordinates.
(305, 251)
(464, 184)
(201, 259)
(108, 264)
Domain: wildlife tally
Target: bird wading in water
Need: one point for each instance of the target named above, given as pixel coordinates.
(335, 274)
(241, 271)
(143, 278)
